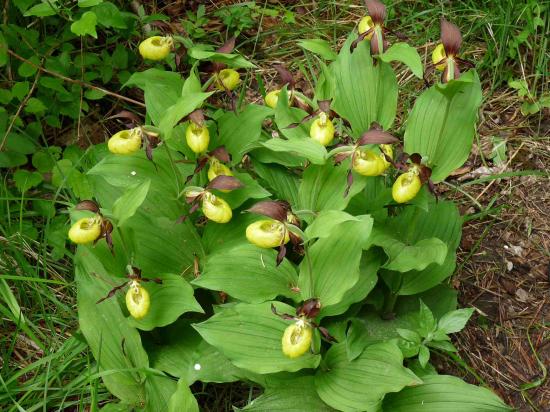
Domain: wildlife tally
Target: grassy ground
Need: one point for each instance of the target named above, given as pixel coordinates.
(504, 258)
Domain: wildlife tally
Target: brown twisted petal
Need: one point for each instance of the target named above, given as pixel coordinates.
(197, 116)
(228, 46)
(375, 136)
(450, 37)
(285, 75)
(377, 11)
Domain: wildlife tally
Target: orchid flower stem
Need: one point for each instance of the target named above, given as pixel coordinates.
(177, 174)
(309, 269)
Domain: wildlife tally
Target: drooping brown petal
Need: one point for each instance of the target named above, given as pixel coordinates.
(281, 255)
(284, 316)
(450, 37)
(416, 158)
(374, 136)
(149, 151)
(425, 174)
(228, 46)
(375, 47)
(271, 208)
(377, 11)
(201, 163)
(326, 334)
(223, 182)
(89, 205)
(359, 39)
(340, 157)
(197, 116)
(285, 75)
(112, 292)
(309, 308)
(221, 154)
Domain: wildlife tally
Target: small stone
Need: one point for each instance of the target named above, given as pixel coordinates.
(522, 295)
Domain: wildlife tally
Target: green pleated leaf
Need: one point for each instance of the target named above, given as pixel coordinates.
(182, 352)
(250, 336)
(444, 117)
(331, 267)
(169, 300)
(182, 107)
(240, 132)
(115, 344)
(160, 390)
(403, 257)
(296, 394)
(279, 180)
(404, 53)
(183, 400)
(363, 92)
(304, 147)
(360, 384)
(323, 187)
(232, 60)
(320, 47)
(249, 273)
(126, 205)
(441, 393)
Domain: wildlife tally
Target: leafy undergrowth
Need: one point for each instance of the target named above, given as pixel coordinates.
(44, 353)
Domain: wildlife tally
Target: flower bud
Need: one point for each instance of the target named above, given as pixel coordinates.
(368, 163)
(267, 233)
(125, 142)
(156, 47)
(297, 339)
(227, 79)
(137, 300)
(322, 129)
(366, 24)
(406, 187)
(215, 208)
(437, 55)
(197, 137)
(85, 230)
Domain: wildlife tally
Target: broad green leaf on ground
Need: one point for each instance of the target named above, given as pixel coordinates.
(249, 273)
(404, 53)
(403, 257)
(115, 344)
(184, 105)
(441, 393)
(162, 246)
(325, 222)
(454, 321)
(240, 132)
(364, 92)
(126, 205)
(162, 90)
(296, 394)
(323, 187)
(331, 265)
(232, 60)
(25, 180)
(85, 25)
(304, 147)
(360, 384)
(159, 389)
(320, 47)
(182, 352)
(279, 180)
(441, 221)
(183, 400)
(219, 236)
(251, 189)
(169, 300)
(368, 269)
(250, 336)
(445, 116)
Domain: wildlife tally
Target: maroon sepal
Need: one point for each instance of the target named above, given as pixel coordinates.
(375, 136)
(281, 255)
(450, 37)
(359, 39)
(201, 163)
(349, 183)
(89, 205)
(304, 120)
(126, 114)
(112, 292)
(285, 75)
(223, 182)
(271, 208)
(197, 117)
(309, 308)
(377, 11)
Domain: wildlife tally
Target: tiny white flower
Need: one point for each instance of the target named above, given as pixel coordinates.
(133, 173)
(197, 366)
